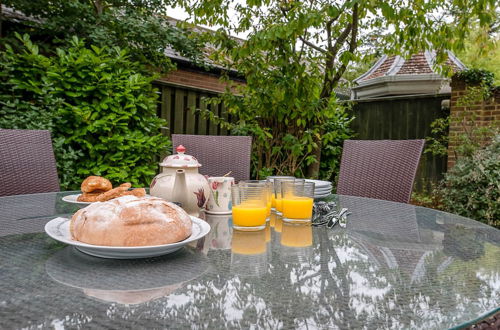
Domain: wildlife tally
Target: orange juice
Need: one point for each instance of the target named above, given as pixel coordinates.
(279, 204)
(268, 215)
(296, 235)
(297, 207)
(248, 215)
(273, 201)
(248, 242)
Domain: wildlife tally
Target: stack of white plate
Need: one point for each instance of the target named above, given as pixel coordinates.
(321, 188)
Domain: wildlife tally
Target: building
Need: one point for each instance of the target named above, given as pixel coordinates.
(396, 75)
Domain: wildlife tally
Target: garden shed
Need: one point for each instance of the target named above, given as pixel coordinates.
(398, 98)
(396, 75)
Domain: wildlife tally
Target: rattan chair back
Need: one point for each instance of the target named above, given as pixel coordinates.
(218, 155)
(27, 163)
(381, 169)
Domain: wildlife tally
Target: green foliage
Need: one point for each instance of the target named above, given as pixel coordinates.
(280, 107)
(336, 131)
(298, 51)
(482, 49)
(140, 26)
(100, 109)
(472, 186)
(437, 143)
(473, 135)
(477, 76)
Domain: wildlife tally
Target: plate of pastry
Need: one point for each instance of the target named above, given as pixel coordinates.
(99, 189)
(128, 227)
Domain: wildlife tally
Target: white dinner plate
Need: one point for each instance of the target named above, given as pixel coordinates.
(318, 184)
(58, 229)
(322, 195)
(73, 199)
(324, 189)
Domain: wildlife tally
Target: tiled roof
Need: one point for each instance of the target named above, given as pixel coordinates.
(420, 63)
(382, 69)
(417, 64)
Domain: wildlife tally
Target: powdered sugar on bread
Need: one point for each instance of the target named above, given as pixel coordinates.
(131, 221)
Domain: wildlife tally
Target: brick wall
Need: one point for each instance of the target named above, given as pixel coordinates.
(195, 79)
(468, 117)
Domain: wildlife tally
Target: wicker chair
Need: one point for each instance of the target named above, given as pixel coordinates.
(381, 169)
(27, 163)
(218, 154)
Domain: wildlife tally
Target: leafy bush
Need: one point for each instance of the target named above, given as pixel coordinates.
(100, 109)
(472, 186)
(281, 107)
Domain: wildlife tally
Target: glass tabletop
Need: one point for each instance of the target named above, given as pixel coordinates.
(394, 266)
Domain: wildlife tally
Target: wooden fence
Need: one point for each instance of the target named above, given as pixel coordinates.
(176, 106)
(395, 118)
(401, 118)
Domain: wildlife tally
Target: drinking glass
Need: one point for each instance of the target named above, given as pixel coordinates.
(271, 179)
(277, 186)
(297, 201)
(249, 207)
(269, 192)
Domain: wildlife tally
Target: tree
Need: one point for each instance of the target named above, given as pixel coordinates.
(318, 40)
(482, 50)
(140, 26)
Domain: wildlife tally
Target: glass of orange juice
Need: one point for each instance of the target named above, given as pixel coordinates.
(297, 201)
(271, 180)
(277, 186)
(249, 207)
(268, 191)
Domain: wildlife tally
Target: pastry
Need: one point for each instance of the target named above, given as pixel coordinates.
(131, 221)
(94, 183)
(110, 194)
(137, 192)
(89, 197)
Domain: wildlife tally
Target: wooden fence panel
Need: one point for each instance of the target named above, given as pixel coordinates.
(189, 112)
(177, 105)
(203, 123)
(400, 119)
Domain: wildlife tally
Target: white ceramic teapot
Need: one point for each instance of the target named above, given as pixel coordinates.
(181, 182)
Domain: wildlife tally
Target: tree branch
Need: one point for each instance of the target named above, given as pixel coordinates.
(341, 39)
(329, 35)
(352, 43)
(329, 81)
(313, 46)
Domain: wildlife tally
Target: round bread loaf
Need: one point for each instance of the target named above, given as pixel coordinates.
(131, 221)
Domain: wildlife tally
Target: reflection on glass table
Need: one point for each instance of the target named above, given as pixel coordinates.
(393, 266)
(248, 253)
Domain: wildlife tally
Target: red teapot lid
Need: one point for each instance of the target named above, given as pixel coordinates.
(180, 159)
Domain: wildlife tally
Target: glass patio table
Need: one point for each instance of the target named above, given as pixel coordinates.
(394, 266)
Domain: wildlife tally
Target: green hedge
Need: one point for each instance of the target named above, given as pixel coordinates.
(99, 107)
(472, 186)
